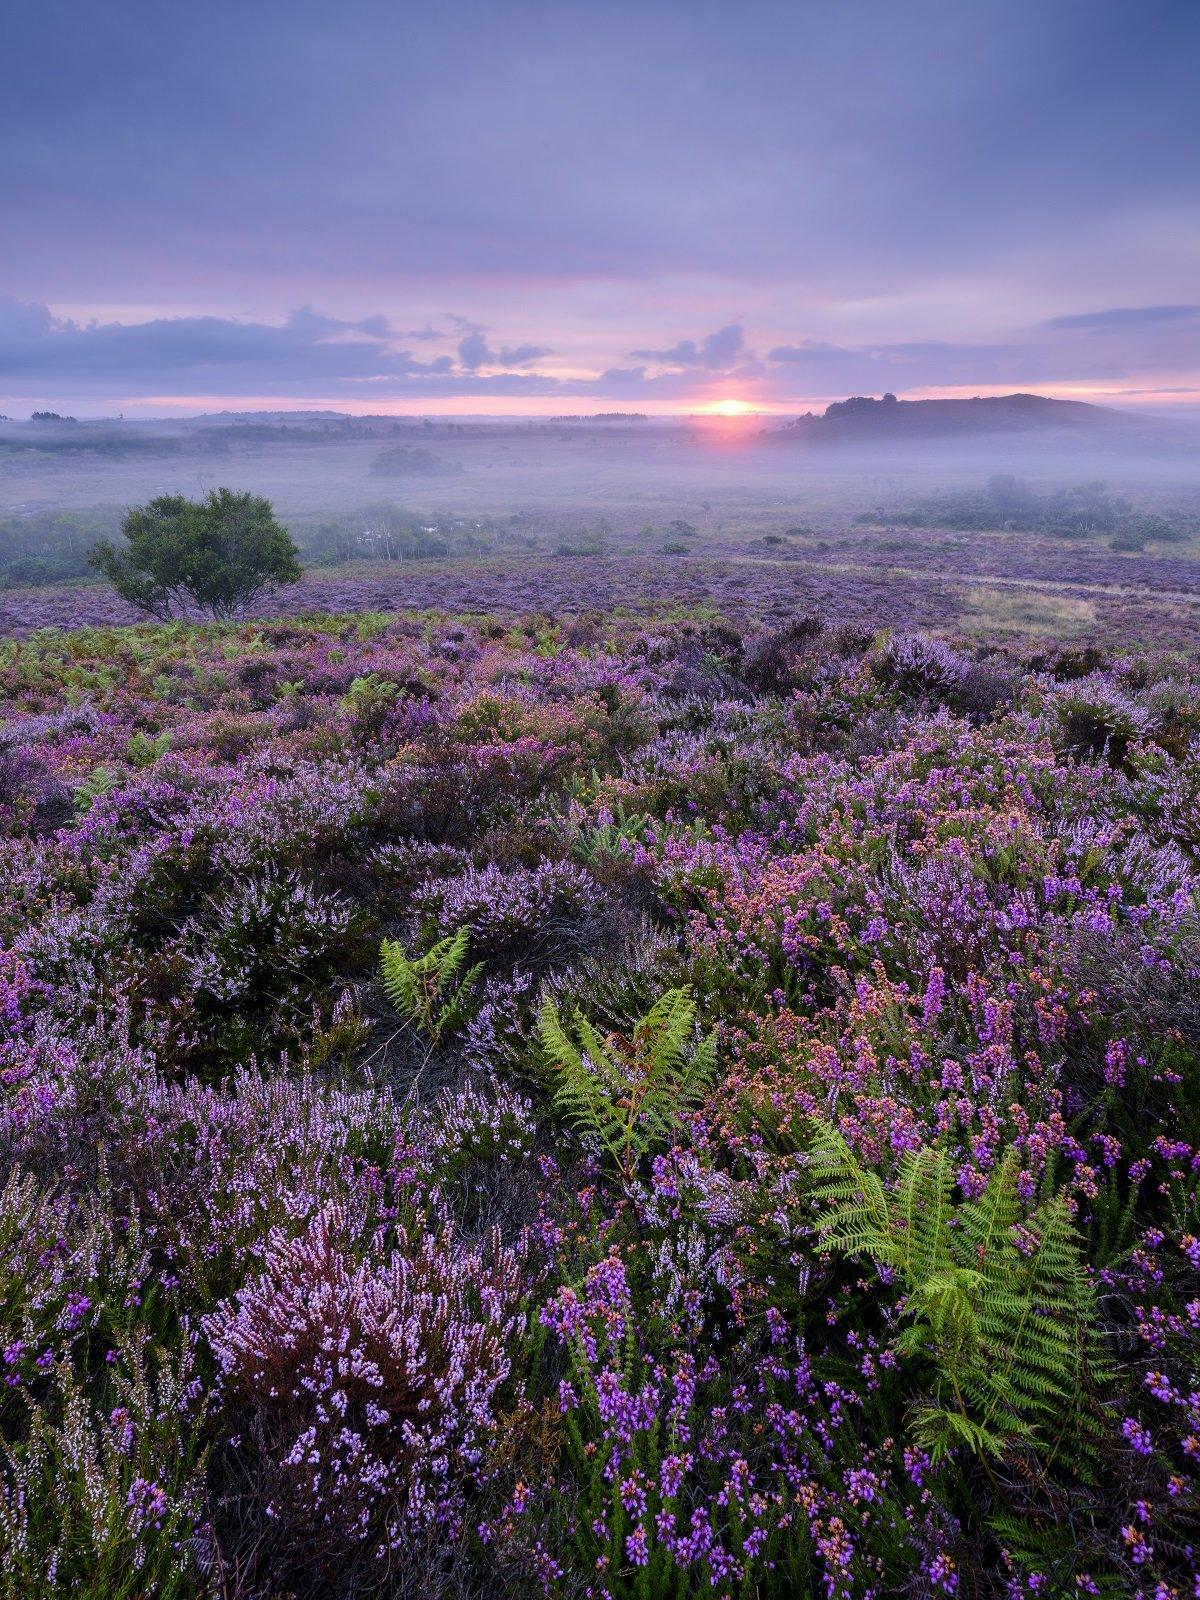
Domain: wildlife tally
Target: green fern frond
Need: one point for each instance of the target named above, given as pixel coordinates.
(627, 1092)
(431, 991)
(143, 751)
(939, 1431)
(998, 1303)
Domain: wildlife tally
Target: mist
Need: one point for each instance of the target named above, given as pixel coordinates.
(785, 510)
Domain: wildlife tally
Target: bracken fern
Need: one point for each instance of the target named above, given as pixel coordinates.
(432, 990)
(626, 1091)
(997, 1301)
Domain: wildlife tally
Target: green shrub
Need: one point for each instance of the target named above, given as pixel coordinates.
(220, 554)
(997, 1305)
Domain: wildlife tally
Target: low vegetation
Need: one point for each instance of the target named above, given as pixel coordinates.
(406, 461)
(384, 531)
(52, 546)
(1008, 504)
(588, 1105)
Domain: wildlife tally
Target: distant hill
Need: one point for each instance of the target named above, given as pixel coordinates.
(862, 420)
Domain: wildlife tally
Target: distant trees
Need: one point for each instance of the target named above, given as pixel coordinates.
(51, 546)
(403, 462)
(1009, 504)
(220, 554)
(385, 532)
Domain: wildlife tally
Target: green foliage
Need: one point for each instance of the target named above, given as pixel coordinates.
(101, 1500)
(1093, 720)
(996, 1303)
(369, 698)
(403, 462)
(609, 841)
(580, 547)
(432, 991)
(384, 531)
(220, 554)
(627, 1091)
(100, 781)
(51, 546)
(1007, 503)
(143, 751)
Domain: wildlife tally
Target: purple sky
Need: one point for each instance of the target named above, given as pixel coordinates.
(542, 205)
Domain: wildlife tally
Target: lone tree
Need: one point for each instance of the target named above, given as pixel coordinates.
(220, 554)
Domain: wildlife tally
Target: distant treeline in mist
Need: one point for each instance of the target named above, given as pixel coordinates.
(68, 441)
(48, 435)
(1007, 503)
(386, 532)
(52, 546)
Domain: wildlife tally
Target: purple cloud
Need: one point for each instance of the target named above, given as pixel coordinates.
(1123, 317)
(717, 352)
(474, 352)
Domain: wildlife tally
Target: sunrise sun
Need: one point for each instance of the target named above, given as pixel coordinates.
(730, 408)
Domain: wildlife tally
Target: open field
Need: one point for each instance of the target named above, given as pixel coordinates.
(1115, 599)
(650, 1034)
(562, 518)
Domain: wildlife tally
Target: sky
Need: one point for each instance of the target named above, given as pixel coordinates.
(547, 206)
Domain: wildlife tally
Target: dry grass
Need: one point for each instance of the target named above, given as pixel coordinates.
(1021, 613)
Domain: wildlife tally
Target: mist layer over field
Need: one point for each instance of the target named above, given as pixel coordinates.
(748, 513)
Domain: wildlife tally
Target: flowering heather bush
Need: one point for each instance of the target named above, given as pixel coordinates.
(515, 912)
(262, 952)
(919, 666)
(794, 1188)
(367, 1385)
(105, 1489)
(472, 1124)
(1098, 718)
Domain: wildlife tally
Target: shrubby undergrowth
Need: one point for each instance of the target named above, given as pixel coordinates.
(1006, 503)
(604, 1108)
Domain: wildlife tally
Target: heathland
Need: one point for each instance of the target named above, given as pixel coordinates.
(647, 1050)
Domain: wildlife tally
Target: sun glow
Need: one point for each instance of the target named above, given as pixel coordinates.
(729, 408)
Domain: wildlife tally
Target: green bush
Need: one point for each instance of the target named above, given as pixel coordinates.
(219, 554)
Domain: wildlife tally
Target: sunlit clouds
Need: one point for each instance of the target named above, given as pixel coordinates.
(658, 207)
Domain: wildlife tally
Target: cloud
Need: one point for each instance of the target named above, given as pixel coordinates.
(306, 321)
(1058, 355)
(917, 364)
(20, 320)
(308, 353)
(1121, 317)
(716, 353)
(1002, 143)
(683, 387)
(311, 355)
(427, 332)
(307, 346)
(474, 352)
